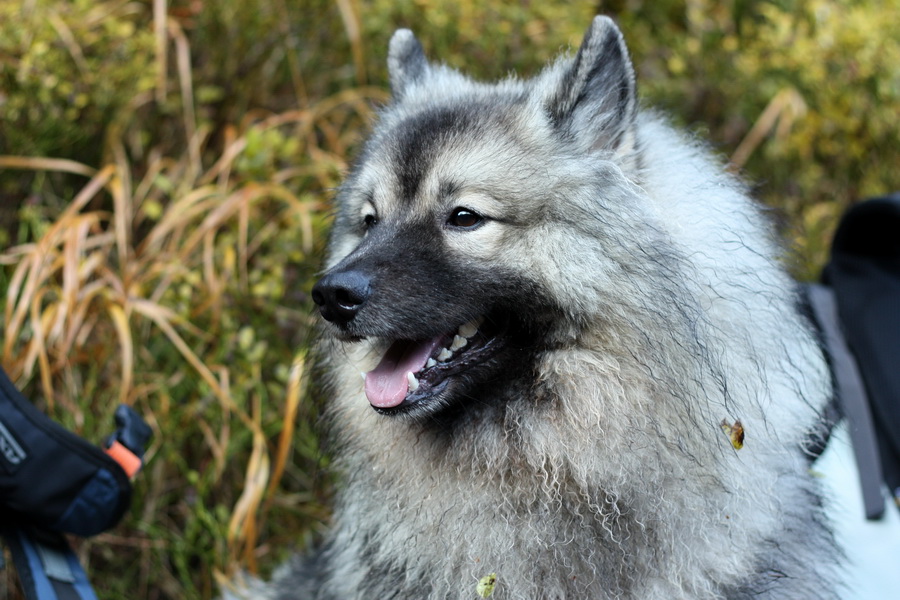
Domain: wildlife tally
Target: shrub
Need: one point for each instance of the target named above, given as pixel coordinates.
(67, 71)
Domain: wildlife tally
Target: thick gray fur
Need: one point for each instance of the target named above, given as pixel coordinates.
(650, 306)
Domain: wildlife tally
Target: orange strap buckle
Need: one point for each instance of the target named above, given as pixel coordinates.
(127, 459)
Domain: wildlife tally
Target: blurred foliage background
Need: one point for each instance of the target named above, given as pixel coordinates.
(165, 172)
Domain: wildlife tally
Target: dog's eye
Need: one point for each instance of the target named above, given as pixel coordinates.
(464, 218)
(369, 220)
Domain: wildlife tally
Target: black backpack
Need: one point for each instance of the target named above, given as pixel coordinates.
(857, 308)
(53, 482)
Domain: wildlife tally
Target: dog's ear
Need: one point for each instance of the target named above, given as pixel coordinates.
(406, 62)
(595, 100)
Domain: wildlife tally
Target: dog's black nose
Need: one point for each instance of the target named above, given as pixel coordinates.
(340, 295)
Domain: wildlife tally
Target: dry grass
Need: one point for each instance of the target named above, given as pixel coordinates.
(164, 284)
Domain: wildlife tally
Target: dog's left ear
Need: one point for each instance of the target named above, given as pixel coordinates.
(595, 100)
(406, 62)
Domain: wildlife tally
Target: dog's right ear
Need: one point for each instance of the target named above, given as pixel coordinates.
(595, 101)
(406, 62)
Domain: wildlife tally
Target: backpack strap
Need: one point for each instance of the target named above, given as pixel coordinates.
(46, 565)
(852, 395)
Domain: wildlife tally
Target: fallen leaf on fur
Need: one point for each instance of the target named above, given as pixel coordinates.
(486, 585)
(734, 432)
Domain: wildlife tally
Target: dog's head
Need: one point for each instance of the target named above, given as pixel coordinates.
(460, 238)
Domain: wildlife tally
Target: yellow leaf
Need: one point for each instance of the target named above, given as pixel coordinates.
(734, 432)
(486, 585)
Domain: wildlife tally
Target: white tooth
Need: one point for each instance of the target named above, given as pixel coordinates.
(430, 363)
(458, 342)
(469, 329)
(363, 375)
(444, 355)
(413, 382)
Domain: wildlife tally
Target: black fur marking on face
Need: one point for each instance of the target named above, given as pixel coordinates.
(419, 140)
(419, 290)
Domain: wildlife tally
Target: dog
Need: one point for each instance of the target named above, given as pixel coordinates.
(586, 373)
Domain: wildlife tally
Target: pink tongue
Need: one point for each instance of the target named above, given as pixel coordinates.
(386, 384)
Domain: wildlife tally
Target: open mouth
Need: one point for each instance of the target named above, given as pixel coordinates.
(412, 373)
